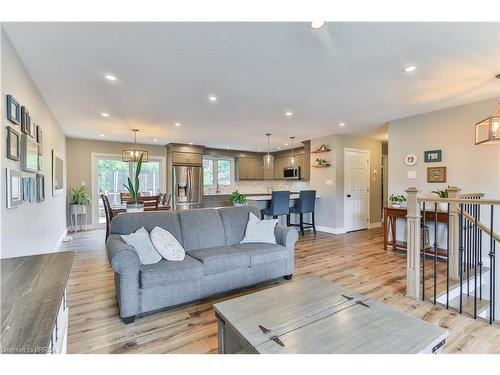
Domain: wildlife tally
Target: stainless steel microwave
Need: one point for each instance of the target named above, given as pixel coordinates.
(292, 173)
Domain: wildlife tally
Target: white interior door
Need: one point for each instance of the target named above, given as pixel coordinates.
(356, 189)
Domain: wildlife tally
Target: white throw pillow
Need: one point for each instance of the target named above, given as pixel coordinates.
(259, 230)
(142, 244)
(167, 245)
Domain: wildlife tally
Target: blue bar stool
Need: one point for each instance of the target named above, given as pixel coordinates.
(280, 205)
(305, 204)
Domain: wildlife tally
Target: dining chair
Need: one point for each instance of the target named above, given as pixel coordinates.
(108, 213)
(280, 205)
(305, 204)
(150, 202)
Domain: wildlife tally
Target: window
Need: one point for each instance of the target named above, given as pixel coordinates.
(216, 171)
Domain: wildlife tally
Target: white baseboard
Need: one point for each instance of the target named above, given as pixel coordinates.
(60, 241)
(330, 230)
(377, 224)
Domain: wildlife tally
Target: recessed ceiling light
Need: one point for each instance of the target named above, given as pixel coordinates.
(104, 114)
(227, 146)
(191, 143)
(342, 124)
(177, 124)
(317, 24)
(279, 148)
(155, 140)
(410, 69)
(258, 149)
(110, 77)
(286, 144)
(102, 135)
(212, 98)
(289, 113)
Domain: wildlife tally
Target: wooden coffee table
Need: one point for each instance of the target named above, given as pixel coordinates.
(313, 315)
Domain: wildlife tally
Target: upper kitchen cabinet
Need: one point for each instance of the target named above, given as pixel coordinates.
(248, 169)
(186, 158)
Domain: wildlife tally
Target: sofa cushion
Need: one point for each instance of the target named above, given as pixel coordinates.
(221, 259)
(129, 223)
(235, 222)
(201, 229)
(165, 272)
(143, 246)
(262, 253)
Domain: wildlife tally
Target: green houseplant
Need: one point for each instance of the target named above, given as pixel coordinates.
(237, 199)
(442, 194)
(80, 199)
(135, 205)
(397, 200)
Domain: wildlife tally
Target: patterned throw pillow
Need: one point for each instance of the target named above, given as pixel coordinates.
(167, 245)
(259, 230)
(142, 244)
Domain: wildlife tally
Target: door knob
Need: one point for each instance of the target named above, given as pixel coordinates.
(348, 195)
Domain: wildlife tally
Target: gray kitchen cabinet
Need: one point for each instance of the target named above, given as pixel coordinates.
(279, 164)
(187, 158)
(249, 169)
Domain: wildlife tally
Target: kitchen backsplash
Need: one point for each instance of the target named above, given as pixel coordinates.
(259, 187)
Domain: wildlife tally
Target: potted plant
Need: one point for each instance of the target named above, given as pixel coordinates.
(135, 205)
(80, 198)
(442, 194)
(238, 199)
(396, 200)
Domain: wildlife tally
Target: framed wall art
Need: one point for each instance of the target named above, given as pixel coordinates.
(24, 120)
(39, 139)
(57, 174)
(40, 187)
(13, 110)
(12, 144)
(410, 160)
(436, 174)
(434, 156)
(14, 188)
(26, 181)
(32, 129)
(29, 154)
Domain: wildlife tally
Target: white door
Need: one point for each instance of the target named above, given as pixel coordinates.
(356, 189)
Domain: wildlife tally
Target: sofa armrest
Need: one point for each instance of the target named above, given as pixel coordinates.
(286, 236)
(122, 257)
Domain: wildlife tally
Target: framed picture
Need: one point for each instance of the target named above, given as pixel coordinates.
(26, 189)
(433, 156)
(14, 188)
(29, 154)
(39, 139)
(436, 174)
(410, 160)
(13, 110)
(40, 187)
(57, 174)
(12, 144)
(40, 165)
(32, 129)
(33, 197)
(24, 120)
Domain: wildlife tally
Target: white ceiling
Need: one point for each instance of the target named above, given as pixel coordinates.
(344, 72)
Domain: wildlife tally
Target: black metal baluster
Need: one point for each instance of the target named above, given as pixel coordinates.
(491, 253)
(467, 246)
(475, 260)
(435, 248)
(480, 234)
(461, 250)
(448, 259)
(423, 257)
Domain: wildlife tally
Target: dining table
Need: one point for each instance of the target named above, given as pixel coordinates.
(117, 209)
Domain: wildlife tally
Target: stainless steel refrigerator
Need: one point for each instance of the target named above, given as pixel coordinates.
(188, 187)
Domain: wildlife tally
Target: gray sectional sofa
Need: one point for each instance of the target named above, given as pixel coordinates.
(215, 260)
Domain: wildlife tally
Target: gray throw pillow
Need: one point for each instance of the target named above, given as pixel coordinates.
(142, 244)
(259, 230)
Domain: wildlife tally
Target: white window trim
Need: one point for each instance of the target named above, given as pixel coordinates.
(216, 159)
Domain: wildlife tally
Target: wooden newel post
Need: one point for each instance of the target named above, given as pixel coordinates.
(453, 192)
(413, 245)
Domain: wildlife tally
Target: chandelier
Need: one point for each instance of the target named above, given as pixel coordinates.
(488, 130)
(133, 154)
(268, 158)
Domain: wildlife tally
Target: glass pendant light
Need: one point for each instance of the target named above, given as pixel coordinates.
(292, 161)
(134, 153)
(488, 130)
(268, 158)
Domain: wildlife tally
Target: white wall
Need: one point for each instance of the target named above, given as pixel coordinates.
(32, 227)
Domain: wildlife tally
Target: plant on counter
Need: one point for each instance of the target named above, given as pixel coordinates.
(441, 193)
(320, 161)
(80, 196)
(135, 205)
(396, 200)
(237, 199)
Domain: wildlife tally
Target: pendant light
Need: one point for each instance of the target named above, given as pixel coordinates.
(291, 160)
(268, 158)
(488, 130)
(133, 154)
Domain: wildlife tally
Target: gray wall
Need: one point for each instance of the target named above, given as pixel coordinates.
(330, 208)
(32, 227)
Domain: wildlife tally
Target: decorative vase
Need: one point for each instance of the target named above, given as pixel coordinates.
(396, 205)
(135, 207)
(78, 209)
(236, 204)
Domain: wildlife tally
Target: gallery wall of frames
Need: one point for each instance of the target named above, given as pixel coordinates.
(24, 144)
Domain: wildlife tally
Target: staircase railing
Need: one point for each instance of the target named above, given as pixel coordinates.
(469, 242)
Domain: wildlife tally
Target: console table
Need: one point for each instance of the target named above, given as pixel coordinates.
(33, 303)
(391, 215)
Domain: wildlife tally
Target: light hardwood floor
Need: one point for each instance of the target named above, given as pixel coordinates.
(355, 260)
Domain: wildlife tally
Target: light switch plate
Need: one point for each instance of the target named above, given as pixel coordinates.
(328, 182)
(411, 175)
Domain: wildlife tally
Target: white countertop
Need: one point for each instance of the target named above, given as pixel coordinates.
(268, 197)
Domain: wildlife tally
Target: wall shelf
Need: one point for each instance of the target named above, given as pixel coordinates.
(321, 166)
(320, 151)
